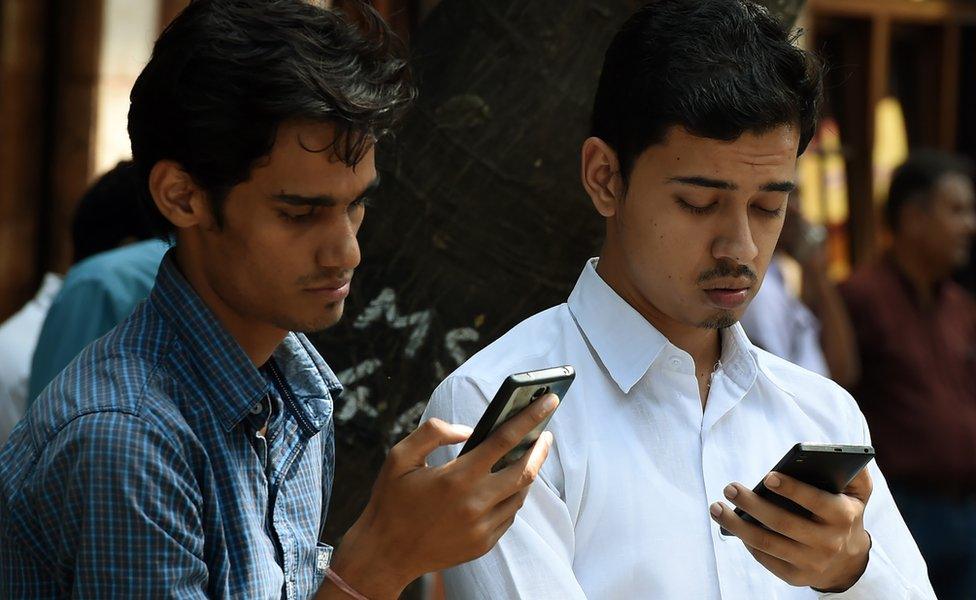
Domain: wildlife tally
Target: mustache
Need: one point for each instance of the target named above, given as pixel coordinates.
(728, 270)
(325, 277)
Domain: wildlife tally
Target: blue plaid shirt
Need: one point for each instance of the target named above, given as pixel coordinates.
(139, 472)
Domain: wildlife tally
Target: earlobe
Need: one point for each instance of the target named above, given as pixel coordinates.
(600, 172)
(177, 197)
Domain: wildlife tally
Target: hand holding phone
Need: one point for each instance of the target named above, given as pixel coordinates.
(806, 533)
(829, 467)
(517, 392)
(422, 518)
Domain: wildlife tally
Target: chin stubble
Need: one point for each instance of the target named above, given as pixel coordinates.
(721, 320)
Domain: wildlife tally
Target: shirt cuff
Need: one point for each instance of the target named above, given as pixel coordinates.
(880, 580)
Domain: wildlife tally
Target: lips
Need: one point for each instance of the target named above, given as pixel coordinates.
(728, 298)
(331, 292)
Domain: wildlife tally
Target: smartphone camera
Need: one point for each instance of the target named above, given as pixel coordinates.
(539, 393)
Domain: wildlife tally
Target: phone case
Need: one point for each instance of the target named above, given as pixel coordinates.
(516, 392)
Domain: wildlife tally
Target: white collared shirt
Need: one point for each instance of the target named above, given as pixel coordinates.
(621, 506)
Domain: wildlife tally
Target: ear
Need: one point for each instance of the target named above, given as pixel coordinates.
(178, 197)
(600, 172)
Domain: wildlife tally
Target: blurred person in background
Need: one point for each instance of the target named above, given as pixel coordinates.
(105, 217)
(18, 337)
(916, 334)
(116, 263)
(814, 330)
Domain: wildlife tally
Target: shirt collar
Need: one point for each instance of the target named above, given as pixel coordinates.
(310, 380)
(627, 344)
(228, 378)
(622, 338)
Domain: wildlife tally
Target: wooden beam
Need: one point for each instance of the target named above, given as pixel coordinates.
(79, 30)
(930, 11)
(22, 62)
(864, 215)
(949, 87)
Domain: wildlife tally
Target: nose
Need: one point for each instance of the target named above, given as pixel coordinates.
(338, 247)
(734, 240)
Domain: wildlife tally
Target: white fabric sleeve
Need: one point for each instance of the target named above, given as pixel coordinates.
(896, 569)
(534, 559)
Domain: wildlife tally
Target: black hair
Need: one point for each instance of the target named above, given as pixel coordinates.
(109, 213)
(717, 68)
(226, 73)
(914, 180)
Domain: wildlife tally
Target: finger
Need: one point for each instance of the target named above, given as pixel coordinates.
(412, 450)
(780, 520)
(503, 527)
(861, 486)
(776, 566)
(496, 535)
(824, 505)
(512, 432)
(754, 536)
(521, 474)
(506, 509)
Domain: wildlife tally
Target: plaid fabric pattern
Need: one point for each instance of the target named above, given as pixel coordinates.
(139, 473)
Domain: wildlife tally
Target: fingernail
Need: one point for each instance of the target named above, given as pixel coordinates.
(549, 403)
(715, 509)
(731, 492)
(772, 481)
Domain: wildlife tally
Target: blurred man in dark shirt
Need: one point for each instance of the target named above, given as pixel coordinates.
(916, 333)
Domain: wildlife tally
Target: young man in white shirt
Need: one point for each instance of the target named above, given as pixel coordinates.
(702, 109)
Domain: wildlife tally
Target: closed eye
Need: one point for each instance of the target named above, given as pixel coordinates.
(363, 201)
(772, 214)
(694, 209)
(298, 218)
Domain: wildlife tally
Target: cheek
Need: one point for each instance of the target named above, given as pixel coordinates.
(664, 252)
(766, 236)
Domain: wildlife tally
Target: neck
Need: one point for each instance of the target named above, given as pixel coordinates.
(704, 345)
(919, 272)
(257, 339)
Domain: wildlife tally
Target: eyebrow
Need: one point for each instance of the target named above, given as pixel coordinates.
(324, 199)
(719, 184)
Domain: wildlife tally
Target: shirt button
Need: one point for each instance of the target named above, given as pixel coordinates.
(257, 409)
(675, 362)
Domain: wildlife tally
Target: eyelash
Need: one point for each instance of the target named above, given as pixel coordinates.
(311, 213)
(364, 201)
(772, 214)
(702, 210)
(296, 218)
(695, 210)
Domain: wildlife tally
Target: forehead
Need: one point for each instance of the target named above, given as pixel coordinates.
(751, 158)
(955, 188)
(302, 163)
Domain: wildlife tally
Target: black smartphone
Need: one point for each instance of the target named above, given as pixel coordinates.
(517, 392)
(830, 467)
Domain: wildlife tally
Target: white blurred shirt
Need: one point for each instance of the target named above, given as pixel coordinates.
(620, 510)
(18, 338)
(778, 322)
